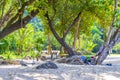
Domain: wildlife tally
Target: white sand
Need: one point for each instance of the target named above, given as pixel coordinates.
(64, 72)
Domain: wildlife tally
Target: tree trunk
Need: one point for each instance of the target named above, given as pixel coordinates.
(76, 34)
(60, 40)
(111, 40)
(17, 24)
(50, 46)
(106, 49)
(104, 53)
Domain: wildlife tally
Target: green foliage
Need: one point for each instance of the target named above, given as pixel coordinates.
(116, 48)
(39, 40)
(7, 44)
(62, 13)
(117, 16)
(4, 45)
(87, 44)
(96, 30)
(69, 39)
(98, 41)
(10, 55)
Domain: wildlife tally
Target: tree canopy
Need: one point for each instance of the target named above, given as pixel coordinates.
(65, 17)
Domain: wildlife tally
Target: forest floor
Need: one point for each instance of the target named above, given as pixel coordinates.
(64, 71)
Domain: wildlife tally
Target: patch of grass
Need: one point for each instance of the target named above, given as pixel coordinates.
(10, 56)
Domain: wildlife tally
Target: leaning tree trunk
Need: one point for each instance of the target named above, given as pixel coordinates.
(111, 40)
(62, 40)
(104, 53)
(17, 25)
(105, 49)
(14, 23)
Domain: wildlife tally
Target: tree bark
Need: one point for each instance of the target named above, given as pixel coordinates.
(19, 13)
(17, 24)
(105, 50)
(111, 40)
(60, 40)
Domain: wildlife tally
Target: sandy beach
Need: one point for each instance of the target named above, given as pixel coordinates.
(64, 72)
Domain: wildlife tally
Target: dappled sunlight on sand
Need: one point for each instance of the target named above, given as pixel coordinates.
(110, 77)
(64, 72)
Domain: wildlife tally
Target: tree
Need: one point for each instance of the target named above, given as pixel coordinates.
(11, 16)
(60, 16)
(112, 37)
(61, 40)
